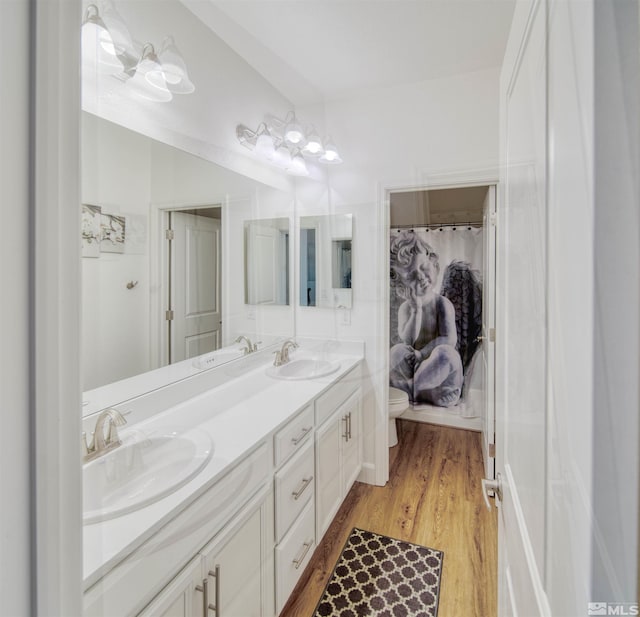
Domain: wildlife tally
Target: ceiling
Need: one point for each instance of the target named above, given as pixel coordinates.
(318, 50)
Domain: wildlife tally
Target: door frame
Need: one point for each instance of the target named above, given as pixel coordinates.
(461, 178)
(159, 273)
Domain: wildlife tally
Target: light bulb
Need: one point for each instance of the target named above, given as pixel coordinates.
(314, 145)
(331, 154)
(293, 132)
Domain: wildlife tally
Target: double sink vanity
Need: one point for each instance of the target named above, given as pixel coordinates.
(212, 498)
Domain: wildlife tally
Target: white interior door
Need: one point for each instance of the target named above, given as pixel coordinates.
(488, 332)
(521, 332)
(195, 286)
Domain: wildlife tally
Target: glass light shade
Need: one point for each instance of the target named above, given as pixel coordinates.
(294, 133)
(265, 146)
(298, 167)
(175, 69)
(95, 39)
(282, 157)
(150, 68)
(142, 86)
(331, 154)
(313, 146)
(121, 42)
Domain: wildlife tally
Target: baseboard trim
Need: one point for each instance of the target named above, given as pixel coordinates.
(368, 474)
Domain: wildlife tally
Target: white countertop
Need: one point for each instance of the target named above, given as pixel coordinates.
(238, 416)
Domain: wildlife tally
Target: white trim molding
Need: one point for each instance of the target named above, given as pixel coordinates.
(55, 308)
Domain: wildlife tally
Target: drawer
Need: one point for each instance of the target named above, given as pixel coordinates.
(328, 402)
(293, 555)
(294, 486)
(293, 435)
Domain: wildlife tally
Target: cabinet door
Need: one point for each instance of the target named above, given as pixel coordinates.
(328, 472)
(234, 570)
(180, 597)
(352, 444)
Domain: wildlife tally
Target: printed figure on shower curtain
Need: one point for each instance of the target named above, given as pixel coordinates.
(435, 338)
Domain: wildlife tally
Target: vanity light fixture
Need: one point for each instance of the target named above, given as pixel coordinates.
(154, 76)
(286, 144)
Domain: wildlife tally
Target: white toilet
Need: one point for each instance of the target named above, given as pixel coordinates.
(398, 402)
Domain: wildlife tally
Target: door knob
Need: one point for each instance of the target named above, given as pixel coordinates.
(492, 485)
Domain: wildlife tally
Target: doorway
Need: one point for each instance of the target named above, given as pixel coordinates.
(455, 227)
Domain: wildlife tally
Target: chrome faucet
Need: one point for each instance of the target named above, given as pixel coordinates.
(99, 444)
(282, 356)
(251, 347)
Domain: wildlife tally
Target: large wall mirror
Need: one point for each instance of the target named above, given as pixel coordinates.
(163, 263)
(325, 260)
(266, 261)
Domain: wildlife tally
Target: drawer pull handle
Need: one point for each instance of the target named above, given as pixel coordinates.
(216, 575)
(296, 440)
(204, 589)
(305, 483)
(349, 424)
(345, 419)
(298, 560)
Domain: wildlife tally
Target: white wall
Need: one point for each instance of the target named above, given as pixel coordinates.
(397, 137)
(116, 168)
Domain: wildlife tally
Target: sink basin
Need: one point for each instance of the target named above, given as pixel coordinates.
(304, 368)
(142, 470)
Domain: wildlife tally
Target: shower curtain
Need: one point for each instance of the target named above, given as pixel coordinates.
(435, 311)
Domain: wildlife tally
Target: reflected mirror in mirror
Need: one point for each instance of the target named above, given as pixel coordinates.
(266, 259)
(325, 260)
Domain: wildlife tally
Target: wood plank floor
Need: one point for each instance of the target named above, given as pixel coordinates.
(433, 498)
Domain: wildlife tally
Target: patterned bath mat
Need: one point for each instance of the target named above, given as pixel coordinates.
(378, 576)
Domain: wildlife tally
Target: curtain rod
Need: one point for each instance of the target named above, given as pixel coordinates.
(438, 225)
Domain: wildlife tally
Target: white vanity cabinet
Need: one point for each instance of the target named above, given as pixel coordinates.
(338, 450)
(231, 577)
(238, 546)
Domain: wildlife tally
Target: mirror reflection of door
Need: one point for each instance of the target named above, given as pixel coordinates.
(194, 285)
(267, 261)
(307, 267)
